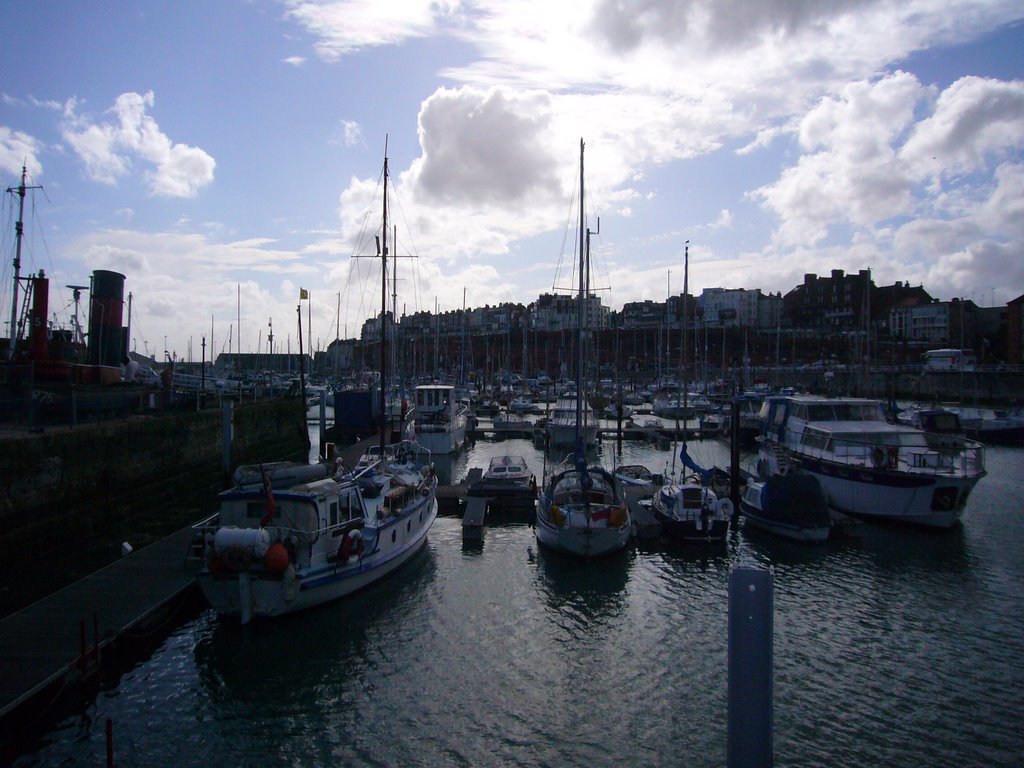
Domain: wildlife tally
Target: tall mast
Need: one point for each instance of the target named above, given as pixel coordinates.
(579, 322)
(384, 307)
(19, 232)
(682, 353)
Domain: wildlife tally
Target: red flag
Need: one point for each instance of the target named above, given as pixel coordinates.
(268, 506)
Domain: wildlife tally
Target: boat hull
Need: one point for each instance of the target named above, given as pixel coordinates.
(692, 531)
(580, 540)
(442, 442)
(793, 531)
(564, 435)
(254, 593)
(929, 500)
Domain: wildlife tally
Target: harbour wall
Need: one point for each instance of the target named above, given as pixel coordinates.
(70, 497)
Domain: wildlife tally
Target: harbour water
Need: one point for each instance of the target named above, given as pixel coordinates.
(897, 648)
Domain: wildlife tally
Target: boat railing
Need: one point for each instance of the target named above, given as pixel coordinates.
(961, 457)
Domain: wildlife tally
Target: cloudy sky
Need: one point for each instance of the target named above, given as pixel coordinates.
(223, 155)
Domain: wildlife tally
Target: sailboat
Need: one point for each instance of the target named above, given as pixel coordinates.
(581, 509)
(289, 536)
(687, 508)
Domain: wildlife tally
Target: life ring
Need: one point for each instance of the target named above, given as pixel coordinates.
(726, 507)
(878, 457)
(351, 544)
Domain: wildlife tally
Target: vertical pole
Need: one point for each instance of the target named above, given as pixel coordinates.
(227, 434)
(110, 743)
(751, 605)
(323, 426)
(734, 454)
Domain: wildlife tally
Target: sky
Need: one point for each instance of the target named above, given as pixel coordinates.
(225, 154)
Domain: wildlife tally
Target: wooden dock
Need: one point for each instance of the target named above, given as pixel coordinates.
(43, 643)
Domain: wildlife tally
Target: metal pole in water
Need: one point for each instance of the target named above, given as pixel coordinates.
(751, 605)
(322, 452)
(734, 453)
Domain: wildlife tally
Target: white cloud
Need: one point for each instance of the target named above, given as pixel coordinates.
(108, 149)
(18, 149)
(346, 26)
(349, 134)
(295, 61)
(975, 120)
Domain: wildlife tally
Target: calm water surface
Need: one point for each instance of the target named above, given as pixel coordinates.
(900, 648)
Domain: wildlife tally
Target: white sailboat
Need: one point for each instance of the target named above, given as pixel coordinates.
(581, 509)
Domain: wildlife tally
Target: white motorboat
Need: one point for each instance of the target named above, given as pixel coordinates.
(291, 536)
(867, 466)
(440, 419)
(508, 470)
(561, 426)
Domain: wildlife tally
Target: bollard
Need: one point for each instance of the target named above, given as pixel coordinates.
(751, 604)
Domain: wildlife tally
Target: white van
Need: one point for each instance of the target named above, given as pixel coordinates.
(949, 360)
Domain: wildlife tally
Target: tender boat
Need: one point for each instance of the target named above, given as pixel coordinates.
(793, 506)
(440, 419)
(291, 536)
(867, 466)
(636, 476)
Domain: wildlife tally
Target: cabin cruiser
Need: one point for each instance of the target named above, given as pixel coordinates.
(439, 419)
(867, 466)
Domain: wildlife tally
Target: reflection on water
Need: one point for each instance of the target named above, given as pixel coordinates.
(897, 648)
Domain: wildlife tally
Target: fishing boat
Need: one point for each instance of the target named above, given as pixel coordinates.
(867, 466)
(439, 419)
(581, 509)
(290, 536)
(792, 506)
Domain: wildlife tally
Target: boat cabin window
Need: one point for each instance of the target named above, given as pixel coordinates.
(334, 513)
(815, 438)
(839, 411)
